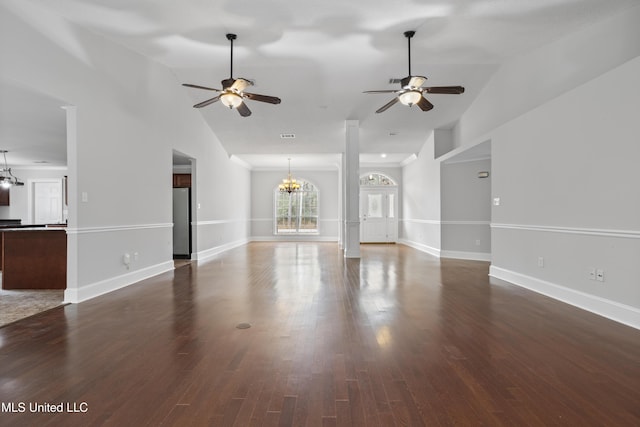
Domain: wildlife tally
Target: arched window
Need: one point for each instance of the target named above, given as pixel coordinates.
(297, 212)
(376, 179)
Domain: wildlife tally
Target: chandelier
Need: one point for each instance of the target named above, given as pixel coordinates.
(7, 179)
(289, 184)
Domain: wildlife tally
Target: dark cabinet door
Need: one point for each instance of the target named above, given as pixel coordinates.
(4, 196)
(181, 180)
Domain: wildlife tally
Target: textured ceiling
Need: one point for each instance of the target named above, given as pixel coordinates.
(319, 57)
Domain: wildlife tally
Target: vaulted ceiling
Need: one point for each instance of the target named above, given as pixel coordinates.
(318, 57)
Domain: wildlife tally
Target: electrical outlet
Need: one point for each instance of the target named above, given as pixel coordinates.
(540, 262)
(600, 275)
(496, 201)
(478, 242)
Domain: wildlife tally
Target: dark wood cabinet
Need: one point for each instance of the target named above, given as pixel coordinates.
(181, 180)
(4, 196)
(34, 259)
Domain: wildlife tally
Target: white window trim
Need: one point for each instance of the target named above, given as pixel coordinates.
(316, 232)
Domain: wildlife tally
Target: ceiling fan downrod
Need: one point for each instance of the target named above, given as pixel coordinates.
(231, 38)
(408, 35)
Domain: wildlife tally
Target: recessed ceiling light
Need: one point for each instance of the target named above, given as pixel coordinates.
(288, 135)
(383, 155)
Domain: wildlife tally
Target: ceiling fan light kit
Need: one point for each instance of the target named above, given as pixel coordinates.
(232, 94)
(410, 97)
(231, 99)
(412, 92)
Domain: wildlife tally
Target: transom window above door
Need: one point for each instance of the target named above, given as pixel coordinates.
(376, 179)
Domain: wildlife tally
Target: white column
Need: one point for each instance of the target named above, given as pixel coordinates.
(351, 176)
(341, 212)
(71, 293)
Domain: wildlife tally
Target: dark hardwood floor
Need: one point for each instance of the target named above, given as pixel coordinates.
(396, 338)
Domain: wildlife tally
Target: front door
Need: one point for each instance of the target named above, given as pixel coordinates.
(378, 220)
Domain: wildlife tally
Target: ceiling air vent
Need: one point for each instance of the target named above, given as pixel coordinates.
(288, 135)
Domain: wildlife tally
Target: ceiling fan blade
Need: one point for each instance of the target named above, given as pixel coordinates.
(381, 91)
(452, 90)
(243, 110)
(207, 102)
(424, 104)
(413, 81)
(201, 87)
(262, 98)
(387, 105)
(241, 84)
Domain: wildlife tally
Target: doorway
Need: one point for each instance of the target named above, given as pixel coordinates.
(47, 199)
(182, 204)
(378, 210)
(181, 223)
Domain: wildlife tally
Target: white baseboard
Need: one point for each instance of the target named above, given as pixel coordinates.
(613, 310)
(421, 247)
(211, 252)
(93, 290)
(472, 256)
(84, 293)
(294, 238)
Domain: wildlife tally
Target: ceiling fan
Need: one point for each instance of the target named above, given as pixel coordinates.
(412, 92)
(232, 94)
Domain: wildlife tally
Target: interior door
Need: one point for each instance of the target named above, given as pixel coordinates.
(47, 197)
(378, 215)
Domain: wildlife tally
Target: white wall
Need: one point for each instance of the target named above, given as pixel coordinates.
(420, 221)
(533, 78)
(563, 121)
(466, 210)
(569, 193)
(130, 113)
(263, 184)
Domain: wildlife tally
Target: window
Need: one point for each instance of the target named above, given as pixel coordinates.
(376, 179)
(297, 212)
